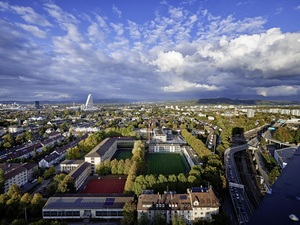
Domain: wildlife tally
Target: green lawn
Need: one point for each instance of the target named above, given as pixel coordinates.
(121, 154)
(165, 163)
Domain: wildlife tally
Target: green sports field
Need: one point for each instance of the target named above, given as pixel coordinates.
(123, 154)
(165, 163)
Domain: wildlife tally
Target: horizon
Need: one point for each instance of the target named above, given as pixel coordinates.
(213, 101)
(157, 50)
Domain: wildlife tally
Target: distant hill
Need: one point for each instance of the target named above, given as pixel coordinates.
(228, 101)
(204, 101)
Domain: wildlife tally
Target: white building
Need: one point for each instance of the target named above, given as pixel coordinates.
(295, 112)
(49, 160)
(199, 204)
(105, 150)
(285, 111)
(80, 174)
(69, 165)
(19, 174)
(160, 135)
(164, 147)
(89, 104)
(250, 113)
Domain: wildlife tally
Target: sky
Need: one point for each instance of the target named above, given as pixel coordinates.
(149, 50)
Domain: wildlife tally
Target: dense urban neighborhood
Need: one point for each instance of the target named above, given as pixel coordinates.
(142, 163)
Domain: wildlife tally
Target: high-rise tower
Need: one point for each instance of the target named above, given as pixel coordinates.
(89, 105)
(89, 102)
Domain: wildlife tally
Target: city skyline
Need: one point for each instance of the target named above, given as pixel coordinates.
(158, 50)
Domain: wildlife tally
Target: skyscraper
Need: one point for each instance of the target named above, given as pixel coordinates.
(37, 104)
(89, 103)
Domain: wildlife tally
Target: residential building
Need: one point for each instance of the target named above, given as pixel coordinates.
(250, 113)
(286, 111)
(16, 173)
(49, 160)
(295, 112)
(197, 203)
(15, 129)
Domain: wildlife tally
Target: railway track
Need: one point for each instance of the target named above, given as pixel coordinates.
(248, 178)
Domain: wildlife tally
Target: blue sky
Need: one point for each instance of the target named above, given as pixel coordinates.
(64, 50)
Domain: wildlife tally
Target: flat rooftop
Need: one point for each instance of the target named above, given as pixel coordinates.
(284, 199)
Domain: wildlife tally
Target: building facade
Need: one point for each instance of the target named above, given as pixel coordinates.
(105, 150)
(81, 174)
(86, 206)
(19, 174)
(164, 147)
(69, 165)
(195, 204)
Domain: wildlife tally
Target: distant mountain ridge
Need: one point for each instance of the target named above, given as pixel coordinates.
(204, 101)
(228, 101)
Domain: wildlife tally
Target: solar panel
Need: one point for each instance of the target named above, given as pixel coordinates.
(183, 197)
(109, 201)
(197, 189)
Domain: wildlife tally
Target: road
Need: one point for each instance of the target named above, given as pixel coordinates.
(243, 207)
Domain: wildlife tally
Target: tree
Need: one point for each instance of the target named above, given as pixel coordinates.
(73, 153)
(178, 220)
(220, 219)
(2, 180)
(121, 166)
(37, 203)
(114, 166)
(273, 175)
(40, 180)
(49, 172)
(159, 219)
(127, 166)
(143, 220)
(14, 195)
(172, 181)
(129, 215)
(19, 222)
(25, 202)
(66, 185)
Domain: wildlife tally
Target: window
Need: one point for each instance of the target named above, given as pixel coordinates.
(46, 213)
(53, 213)
(69, 213)
(76, 213)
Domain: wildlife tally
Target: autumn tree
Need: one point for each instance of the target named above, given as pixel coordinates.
(49, 172)
(129, 213)
(73, 153)
(178, 220)
(66, 185)
(37, 203)
(2, 180)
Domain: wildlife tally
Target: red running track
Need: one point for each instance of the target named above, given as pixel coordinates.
(105, 185)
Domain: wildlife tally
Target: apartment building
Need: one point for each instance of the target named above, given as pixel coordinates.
(16, 173)
(197, 203)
